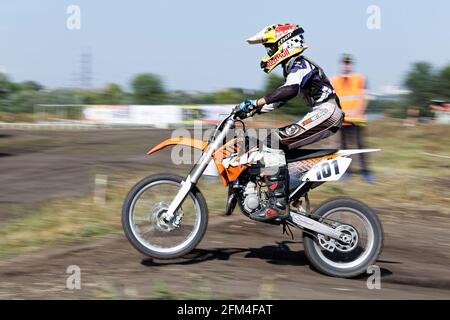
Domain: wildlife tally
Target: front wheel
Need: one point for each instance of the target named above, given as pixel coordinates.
(145, 226)
(363, 232)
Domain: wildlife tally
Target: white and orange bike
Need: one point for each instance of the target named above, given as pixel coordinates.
(165, 216)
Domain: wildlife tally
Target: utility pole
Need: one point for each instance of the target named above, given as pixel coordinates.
(86, 69)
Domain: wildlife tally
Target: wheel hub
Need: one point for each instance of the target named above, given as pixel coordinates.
(347, 242)
(349, 238)
(158, 220)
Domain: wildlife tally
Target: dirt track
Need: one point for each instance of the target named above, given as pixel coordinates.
(237, 258)
(36, 166)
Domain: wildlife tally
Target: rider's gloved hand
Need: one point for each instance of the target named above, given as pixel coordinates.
(248, 106)
(241, 114)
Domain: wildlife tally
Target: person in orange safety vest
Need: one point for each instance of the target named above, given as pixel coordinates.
(351, 90)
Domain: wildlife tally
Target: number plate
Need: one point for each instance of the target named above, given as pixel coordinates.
(328, 170)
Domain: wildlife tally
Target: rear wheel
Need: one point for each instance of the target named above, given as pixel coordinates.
(363, 234)
(145, 226)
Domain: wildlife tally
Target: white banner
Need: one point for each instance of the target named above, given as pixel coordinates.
(158, 116)
(107, 114)
(161, 116)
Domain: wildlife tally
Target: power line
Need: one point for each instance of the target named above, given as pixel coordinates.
(86, 69)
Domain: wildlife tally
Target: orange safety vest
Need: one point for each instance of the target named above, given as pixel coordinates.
(351, 92)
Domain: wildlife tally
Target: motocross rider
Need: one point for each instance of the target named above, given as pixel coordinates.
(284, 45)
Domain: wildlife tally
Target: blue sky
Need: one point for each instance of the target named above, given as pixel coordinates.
(199, 45)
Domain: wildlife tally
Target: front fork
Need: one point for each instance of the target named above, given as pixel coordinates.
(196, 172)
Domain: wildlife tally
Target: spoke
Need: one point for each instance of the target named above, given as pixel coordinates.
(148, 204)
(148, 229)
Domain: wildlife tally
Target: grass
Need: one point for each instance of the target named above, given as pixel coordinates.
(16, 117)
(63, 221)
(196, 289)
(406, 178)
(200, 290)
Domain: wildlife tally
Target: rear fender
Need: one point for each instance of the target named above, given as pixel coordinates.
(333, 167)
(354, 151)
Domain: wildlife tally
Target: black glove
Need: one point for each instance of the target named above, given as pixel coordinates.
(241, 114)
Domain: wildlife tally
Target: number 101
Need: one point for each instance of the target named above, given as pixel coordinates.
(325, 170)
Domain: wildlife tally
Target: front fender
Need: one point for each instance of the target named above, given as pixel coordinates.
(193, 143)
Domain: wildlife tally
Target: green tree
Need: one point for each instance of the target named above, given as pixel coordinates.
(23, 101)
(63, 96)
(427, 84)
(442, 84)
(183, 97)
(91, 96)
(113, 94)
(30, 86)
(148, 89)
(18, 97)
(273, 82)
(110, 94)
(421, 81)
(5, 86)
(229, 96)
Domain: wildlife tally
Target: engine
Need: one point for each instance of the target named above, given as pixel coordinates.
(251, 197)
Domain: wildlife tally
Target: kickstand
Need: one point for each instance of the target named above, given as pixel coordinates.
(287, 230)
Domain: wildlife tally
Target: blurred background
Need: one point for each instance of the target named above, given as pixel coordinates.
(86, 88)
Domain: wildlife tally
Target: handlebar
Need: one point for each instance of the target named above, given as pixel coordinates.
(236, 110)
(238, 113)
(234, 115)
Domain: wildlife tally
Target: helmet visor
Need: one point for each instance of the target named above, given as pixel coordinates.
(271, 48)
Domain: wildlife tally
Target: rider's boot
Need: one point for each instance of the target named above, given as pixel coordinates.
(278, 204)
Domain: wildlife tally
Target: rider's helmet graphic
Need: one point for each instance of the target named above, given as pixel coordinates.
(281, 41)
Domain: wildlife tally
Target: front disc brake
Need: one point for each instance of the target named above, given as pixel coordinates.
(161, 224)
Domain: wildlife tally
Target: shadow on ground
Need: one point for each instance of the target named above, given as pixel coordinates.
(4, 154)
(279, 254)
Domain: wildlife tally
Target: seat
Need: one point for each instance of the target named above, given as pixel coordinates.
(304, 154)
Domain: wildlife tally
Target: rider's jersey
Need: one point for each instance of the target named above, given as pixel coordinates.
(303, 78)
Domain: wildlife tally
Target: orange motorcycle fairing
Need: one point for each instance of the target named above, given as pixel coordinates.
(231, 148)
(190, 142)
(228, 175)
(231, 172)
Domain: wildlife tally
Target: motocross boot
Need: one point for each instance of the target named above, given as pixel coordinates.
(278, 205)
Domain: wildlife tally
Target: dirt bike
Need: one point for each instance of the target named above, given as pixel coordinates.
(165, 216)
